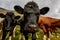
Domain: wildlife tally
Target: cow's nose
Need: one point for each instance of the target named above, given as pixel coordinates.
(32, 25)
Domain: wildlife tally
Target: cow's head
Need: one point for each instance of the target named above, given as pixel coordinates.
(10, 20)
(31, 13)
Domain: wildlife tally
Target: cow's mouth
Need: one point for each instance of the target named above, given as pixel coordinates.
(31, 28)
(7, 28)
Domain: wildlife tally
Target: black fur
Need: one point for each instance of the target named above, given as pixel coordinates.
(31, 14)
(9, 23)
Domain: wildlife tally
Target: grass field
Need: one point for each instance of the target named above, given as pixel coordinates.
(40, 35)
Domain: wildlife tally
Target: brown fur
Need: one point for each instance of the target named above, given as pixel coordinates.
(48, 24)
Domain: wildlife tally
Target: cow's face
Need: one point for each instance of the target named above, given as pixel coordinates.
(31, 13)
(10, 20)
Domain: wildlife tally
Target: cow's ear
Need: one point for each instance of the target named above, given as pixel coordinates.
(44, 10)
(17, 17)
(2, 15)
(18, 9)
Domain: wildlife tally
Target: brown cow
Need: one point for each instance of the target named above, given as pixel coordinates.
(47, 24)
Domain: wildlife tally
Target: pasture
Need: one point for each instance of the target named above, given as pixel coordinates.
(40, 33)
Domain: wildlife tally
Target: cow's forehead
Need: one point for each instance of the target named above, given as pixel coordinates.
(32, 3)
(10, 13)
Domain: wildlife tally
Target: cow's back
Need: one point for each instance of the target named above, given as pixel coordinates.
(47, 20)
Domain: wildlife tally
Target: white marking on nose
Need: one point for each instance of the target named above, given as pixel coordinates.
(32, 25)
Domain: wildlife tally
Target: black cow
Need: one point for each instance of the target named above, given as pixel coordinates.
(9, 23)
(29, 21)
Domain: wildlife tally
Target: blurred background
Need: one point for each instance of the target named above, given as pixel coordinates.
(54, 5)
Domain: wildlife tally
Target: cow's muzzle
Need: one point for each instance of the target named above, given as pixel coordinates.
(8, 28)
(32, 25)
(32, 28)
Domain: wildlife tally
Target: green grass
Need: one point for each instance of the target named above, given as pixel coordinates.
(40, 35)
